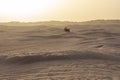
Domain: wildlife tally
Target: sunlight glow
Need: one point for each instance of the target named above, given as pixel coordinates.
(59, 10)
(22, 9)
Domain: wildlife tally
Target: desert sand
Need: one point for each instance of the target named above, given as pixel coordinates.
(44, 51)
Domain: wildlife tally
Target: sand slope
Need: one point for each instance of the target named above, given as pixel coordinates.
(89, 52)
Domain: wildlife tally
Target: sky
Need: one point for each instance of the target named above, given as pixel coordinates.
(58, 10)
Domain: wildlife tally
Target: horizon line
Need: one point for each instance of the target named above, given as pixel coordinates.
(59, 21)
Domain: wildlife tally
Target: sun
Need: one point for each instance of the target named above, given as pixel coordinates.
(24, 9)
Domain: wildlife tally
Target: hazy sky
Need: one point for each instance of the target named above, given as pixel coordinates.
(63, 10)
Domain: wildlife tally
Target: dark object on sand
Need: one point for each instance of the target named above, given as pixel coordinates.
(66, 29)
(99, 46)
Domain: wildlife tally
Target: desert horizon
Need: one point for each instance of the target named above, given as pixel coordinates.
(53, 22)
(59, 39)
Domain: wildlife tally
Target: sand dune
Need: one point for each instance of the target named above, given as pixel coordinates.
(91, 51)
(55, 56)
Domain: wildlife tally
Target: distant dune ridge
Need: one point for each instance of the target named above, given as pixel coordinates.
(44, 51)
(57, 23)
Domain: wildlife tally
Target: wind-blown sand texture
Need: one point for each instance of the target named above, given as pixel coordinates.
(91, 51)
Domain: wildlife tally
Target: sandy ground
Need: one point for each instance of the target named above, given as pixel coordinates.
(88, 52)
